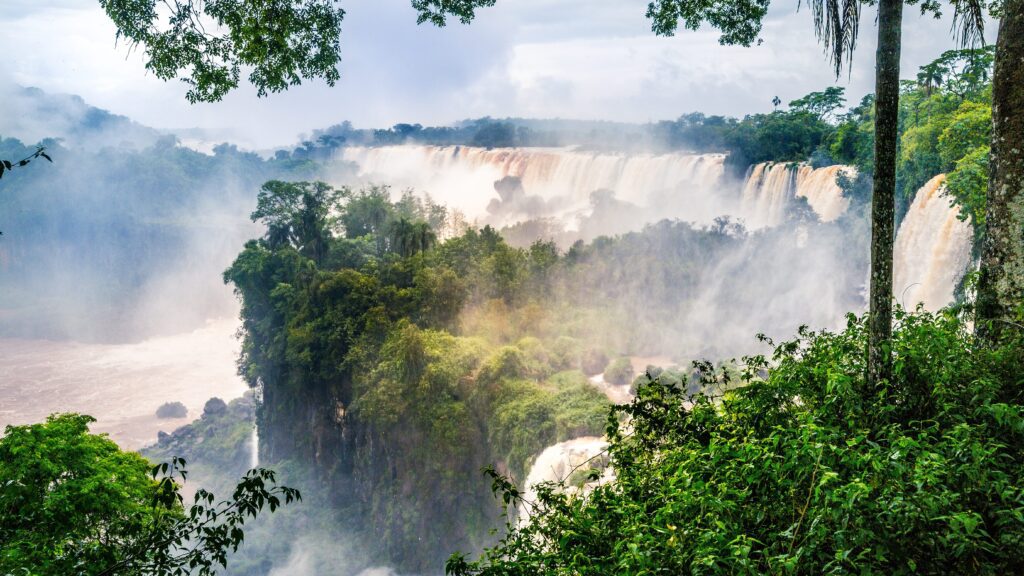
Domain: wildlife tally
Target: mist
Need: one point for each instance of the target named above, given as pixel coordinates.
(113, 302)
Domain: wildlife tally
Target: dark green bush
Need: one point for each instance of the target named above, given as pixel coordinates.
(619, 372)
(802, 470)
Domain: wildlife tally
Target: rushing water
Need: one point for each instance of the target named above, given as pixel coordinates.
(770, 188)
(932, 250)
(254, 448)
(121, 385)
(464, 177)
(558, 462)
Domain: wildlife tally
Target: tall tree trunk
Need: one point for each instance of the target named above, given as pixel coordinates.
(1001, 287)
(887, 103)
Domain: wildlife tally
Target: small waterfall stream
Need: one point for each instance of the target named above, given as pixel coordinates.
(254, 448)
(558, 462)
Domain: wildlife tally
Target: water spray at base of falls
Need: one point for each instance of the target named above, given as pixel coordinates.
(463, 177)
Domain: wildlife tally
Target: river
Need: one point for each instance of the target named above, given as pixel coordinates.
(121, 385)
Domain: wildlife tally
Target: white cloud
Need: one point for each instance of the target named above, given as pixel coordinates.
(546, 58)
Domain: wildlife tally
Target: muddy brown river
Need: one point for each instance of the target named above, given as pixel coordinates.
(121, 385)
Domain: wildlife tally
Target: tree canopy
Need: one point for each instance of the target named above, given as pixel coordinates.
(281, 42)
(73, 503)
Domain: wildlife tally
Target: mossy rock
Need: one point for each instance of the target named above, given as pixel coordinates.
(172, 410)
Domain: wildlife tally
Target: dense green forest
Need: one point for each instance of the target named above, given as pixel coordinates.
(795, 469)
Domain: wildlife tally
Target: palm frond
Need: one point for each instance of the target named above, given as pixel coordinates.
(969, 22)
(836, 24)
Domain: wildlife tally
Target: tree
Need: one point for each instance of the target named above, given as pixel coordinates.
(367, 213)
(73, 503)
(281, 41)
(408, 237)
(883, 191)
(1001, 286)
(962, 72)
(299, 214)
(821, 104)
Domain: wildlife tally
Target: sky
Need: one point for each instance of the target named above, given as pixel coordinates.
(579, 59)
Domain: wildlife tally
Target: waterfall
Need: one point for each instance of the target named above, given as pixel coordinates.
(464, 176)
(770, 187)
(932, 250)
(254, 448)
(558, 462)
(822, 191)
(766, 194)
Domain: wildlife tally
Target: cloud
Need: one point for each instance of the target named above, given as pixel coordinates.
(593, 59)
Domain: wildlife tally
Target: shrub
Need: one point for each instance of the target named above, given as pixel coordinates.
(802, 469)
(619, 372)
(214, 407)
(593, 362)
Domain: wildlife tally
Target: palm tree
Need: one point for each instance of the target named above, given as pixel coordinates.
(407, 238)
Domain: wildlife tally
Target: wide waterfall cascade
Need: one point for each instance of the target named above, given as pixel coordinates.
(771, 186)
(463, 177)
(932, 249)
(558, 462)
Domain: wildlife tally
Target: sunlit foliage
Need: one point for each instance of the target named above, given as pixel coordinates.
(797, 471)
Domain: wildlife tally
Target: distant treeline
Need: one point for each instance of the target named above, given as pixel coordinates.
(951, 96)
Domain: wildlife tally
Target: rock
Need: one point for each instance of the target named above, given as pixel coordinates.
(214, 407)
(162, 437)
(172, 410)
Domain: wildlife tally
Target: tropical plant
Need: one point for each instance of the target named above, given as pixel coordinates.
(792, 469)
(73, 503)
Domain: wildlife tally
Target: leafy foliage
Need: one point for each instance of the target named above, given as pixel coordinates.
(73, 503)
(280, 42)
(739, 21)
(797, 471)
(945, 125)
(7, 165)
